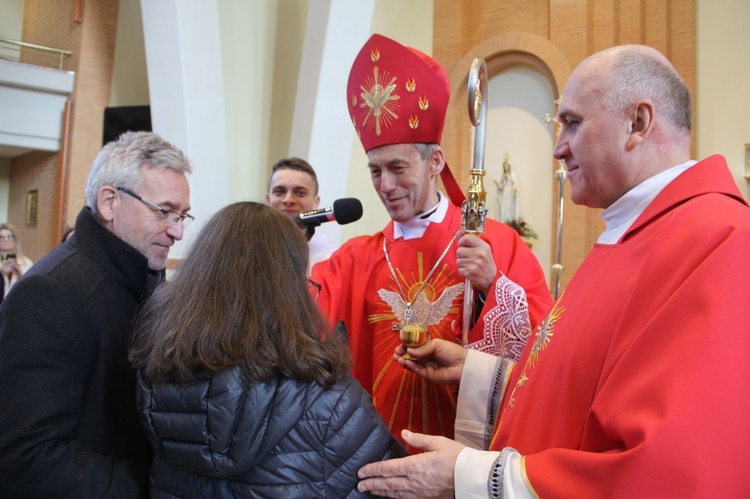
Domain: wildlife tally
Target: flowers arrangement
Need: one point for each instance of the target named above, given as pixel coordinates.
(524, 230)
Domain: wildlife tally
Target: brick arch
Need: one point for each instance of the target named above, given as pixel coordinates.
(499, 52)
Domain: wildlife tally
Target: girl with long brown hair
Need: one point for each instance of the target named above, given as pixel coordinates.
(243, 387)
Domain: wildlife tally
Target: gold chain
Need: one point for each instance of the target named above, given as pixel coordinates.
(408, 312)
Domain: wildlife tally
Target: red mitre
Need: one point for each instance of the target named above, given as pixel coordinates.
(398, 95)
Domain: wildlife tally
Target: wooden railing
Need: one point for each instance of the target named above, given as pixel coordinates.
(62, 53)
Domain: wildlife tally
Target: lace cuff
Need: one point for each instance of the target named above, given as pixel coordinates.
(495, 483)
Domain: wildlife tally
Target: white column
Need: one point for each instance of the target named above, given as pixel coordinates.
(183, 56)
(322, 131)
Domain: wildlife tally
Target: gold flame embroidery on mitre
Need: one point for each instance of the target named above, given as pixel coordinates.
(423, 103)
(414, 122)
(411, 85)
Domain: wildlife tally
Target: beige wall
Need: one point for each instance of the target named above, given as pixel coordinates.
(261, 45)
(129, 75)
(248, 44)
(723, 82)
(289, 40)
(4, 187)
(10, 27)
(10, 24)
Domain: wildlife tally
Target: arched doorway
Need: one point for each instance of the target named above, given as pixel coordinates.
(513, 60)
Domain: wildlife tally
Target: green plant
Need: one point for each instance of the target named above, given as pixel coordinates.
(523, 229)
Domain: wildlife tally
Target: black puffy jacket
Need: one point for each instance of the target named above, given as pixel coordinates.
(220, 438)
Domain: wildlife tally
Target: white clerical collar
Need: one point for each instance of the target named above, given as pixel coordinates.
(623, 213)
(417, 226)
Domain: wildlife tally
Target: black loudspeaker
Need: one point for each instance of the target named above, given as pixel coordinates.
(121, 119)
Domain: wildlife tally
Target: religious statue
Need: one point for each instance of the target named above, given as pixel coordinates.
(507, 194)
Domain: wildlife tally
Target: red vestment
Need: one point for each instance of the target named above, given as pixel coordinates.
(357, 286)
(638, 382)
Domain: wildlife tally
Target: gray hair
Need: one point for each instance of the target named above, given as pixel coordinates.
(426, 150)
(639, 73)
(119, 162)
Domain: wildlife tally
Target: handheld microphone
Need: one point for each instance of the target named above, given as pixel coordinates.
(343, 211)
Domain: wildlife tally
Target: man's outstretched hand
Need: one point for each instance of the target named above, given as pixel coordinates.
(439, 361)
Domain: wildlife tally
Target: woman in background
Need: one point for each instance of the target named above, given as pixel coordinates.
(243, 388)
(14, 263)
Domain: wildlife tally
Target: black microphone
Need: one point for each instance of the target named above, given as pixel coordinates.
(343, 211)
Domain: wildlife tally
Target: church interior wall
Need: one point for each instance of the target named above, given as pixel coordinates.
(4, 187)
(722, 89)
(549, 34)
(260, 43)
(51, 23)
(705, 39)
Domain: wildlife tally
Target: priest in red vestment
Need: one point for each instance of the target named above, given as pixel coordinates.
(413, 272)
(637, 384)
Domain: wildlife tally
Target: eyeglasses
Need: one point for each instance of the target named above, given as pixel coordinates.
(169, 217)
(6, 237)
(314, 288)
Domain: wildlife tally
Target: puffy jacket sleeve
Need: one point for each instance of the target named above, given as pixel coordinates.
(356, 436)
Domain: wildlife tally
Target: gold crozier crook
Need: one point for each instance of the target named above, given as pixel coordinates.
(475, 208)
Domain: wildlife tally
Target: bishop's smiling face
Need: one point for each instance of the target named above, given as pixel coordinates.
(404, 181)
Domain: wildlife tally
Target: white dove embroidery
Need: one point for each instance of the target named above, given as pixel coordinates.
(426, 313)
(379, 100)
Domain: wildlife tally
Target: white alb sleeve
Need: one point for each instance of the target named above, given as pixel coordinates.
(483, 382)
(474, 470)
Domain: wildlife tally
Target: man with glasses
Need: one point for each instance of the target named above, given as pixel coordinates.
(68, 420)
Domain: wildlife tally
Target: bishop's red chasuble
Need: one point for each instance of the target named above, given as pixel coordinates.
(358, 288)
(638, 382)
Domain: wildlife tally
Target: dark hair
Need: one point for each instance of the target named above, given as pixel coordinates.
(240, 298)
(297, 164)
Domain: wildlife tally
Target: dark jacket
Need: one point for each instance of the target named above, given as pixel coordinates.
(220, 438)
(69, 426)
